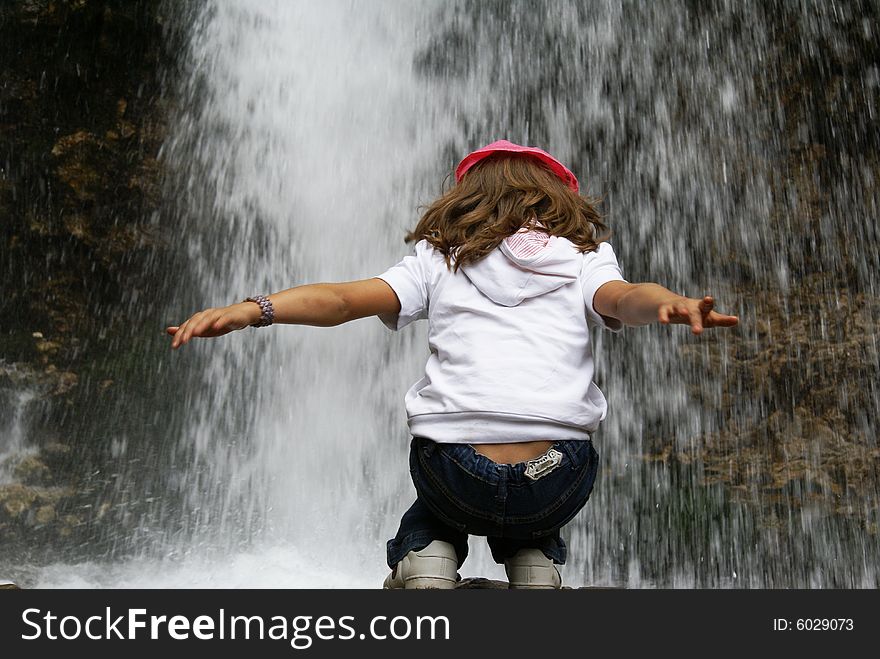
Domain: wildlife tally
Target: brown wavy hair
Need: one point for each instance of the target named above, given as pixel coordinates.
(496, 198)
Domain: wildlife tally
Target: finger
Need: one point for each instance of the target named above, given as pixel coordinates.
(696, 319)
(190, 326)
(715, 319)
(178, 336)
(172, 330)
(663, 315)
(707, 303)
(185, 329)
(677, 314)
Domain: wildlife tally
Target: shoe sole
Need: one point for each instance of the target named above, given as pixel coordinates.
(429, 583)
(427, 578)
(534, 577)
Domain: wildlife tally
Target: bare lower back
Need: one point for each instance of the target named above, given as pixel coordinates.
(513, 453)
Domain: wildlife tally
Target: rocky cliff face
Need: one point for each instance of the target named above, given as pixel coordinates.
(82, 118)
(799, 401)
(86, 249)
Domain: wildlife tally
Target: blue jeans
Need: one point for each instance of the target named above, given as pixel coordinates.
(461, 492)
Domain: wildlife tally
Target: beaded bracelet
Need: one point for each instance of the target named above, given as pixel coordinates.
(267, 311)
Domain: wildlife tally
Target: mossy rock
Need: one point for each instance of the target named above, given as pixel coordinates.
(30, 470)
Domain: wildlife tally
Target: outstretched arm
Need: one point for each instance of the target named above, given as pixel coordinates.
(640, 304)
(323, 305)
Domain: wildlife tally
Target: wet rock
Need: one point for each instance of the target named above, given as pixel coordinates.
(77, 225)
(41, 225)
(68, 526)
(126, 129)
(794, 421)
(146, 178)
(22, 502)
(793, 428)
(64, 382)
(16, 499)
(75, 143)
(72, 203)
(45, 515)
(481, 583)
(56, 456)
(85, 181)
(47, 346)
(102, 511)
(32, 471)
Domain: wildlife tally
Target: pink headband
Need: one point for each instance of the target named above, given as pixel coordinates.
(556, 167)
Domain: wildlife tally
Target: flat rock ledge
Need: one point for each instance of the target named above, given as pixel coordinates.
(492, 584)
(469, 583)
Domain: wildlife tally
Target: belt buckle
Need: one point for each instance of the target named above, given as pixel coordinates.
(543, 465)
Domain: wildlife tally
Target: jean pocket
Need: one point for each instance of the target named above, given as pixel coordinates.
(439, 492)
(568, 502)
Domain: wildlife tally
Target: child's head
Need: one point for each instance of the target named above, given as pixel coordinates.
(500, 194)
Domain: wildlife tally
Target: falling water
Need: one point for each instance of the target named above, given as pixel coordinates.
(297, 173)
(13, 428)
(731, 144)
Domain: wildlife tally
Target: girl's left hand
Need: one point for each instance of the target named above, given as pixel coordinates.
(696, 313)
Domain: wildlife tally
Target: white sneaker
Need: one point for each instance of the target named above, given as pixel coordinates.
(435, 566)
(529, 568)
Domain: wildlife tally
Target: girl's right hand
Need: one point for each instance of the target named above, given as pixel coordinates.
(215, 322)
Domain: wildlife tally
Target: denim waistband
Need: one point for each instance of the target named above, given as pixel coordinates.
(574, 452)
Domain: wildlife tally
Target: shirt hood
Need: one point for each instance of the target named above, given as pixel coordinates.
(525, 265)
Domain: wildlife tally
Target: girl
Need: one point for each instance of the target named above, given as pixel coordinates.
(511, 267)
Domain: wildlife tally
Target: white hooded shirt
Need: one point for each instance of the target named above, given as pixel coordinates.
(510, 354)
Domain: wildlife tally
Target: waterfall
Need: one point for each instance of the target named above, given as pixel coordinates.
(733, 158)
(13, 429)
(300, 173)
